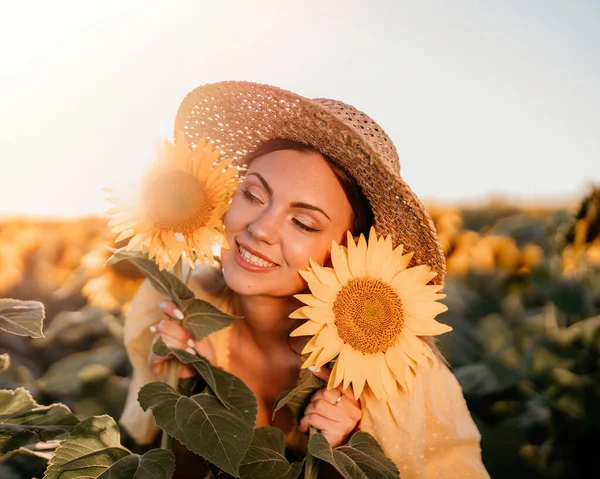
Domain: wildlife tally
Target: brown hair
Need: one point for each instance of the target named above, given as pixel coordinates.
(362, 213)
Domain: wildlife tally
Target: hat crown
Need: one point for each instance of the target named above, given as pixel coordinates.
(364, 125)
(238, 116)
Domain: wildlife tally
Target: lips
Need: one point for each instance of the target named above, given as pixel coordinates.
(253, 257)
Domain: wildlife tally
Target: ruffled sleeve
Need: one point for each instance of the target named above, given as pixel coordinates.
(429, 432)
(142, 313)
(206, 283)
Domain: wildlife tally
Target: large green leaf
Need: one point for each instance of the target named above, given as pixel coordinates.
(155, 464)
(228, 388)
(201, 423)
(23, 421)
(266, 457)
(67, 376)
(91, 449)
(298, 398)
(164, 282)
(23, 318)
(202, 318)
(361, 458)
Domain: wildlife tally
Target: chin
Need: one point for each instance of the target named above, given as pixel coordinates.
(248, 284)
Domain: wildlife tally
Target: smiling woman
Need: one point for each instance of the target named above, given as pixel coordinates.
(317, 174)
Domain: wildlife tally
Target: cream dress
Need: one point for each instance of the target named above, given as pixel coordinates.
(428, 433)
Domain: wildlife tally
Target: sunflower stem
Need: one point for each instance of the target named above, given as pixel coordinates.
(172, 379)
(178, 269)
(311, 466)
(173, 368)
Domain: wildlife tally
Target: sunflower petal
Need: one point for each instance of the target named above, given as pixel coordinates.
(398, 365)
(326, 276)
(427, 327)
(412, 278)
(309, 276)
(371, 264)
(356, 256)
(337, 373)
(323, 292)
(312, 359)
(339, 259)
(319, 315)
(299, 314)
(331, 342)
(310, 300)
(124, 235)
(423, 309)
(359, 372)
(374, 377)
(307, 329)
(415, 349)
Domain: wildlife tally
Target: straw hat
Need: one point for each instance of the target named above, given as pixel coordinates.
(238, 116)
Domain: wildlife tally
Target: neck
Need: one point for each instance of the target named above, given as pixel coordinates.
(266, 321)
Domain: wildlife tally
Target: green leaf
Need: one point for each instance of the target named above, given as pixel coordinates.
(155, 464)
(23, 421)
(228, 388)
(163, 281)
(266, 457)
(202, 318)
(91, 449)
(4, 362)
(361, 458)
(23, 318)
(67, 376)
(298, 398)
(201, 423)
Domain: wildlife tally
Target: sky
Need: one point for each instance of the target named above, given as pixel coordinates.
(481, 98)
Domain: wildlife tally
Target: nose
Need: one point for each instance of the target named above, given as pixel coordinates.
(266, 226)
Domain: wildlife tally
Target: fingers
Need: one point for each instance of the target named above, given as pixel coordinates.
(323, 424)
(322, 372)
(334, 413)
(326, 408)
(170, 309)
(173, 335)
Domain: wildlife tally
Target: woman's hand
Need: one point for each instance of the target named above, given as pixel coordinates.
(335, 412)
(176, 337)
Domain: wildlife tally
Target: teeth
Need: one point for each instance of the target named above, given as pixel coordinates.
(254, 259)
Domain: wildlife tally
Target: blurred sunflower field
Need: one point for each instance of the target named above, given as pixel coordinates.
(523, 291)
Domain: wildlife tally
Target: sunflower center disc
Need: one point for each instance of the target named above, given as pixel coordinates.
(368, 315)
(176, 201)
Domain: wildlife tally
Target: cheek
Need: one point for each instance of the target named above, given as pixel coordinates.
(299, 253)
(234, 218)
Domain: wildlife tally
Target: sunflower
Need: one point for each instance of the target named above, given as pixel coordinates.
(367, 313)
(111, 291)
(178, 209)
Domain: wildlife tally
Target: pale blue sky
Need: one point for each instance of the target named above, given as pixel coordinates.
(488, 97)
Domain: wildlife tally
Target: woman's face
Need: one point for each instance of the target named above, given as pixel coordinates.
(288, 209)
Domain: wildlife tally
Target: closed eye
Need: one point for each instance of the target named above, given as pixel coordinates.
(301, 225)
(250, 197)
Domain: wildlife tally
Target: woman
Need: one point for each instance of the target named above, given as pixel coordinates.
(315, 169)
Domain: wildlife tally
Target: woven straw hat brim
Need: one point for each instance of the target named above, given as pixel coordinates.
(239, 116)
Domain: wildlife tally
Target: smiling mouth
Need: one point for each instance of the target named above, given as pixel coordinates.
(253, 259)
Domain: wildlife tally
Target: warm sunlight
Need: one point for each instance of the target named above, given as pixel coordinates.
(480, 100)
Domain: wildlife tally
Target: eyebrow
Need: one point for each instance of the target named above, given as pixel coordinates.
(305, 206)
